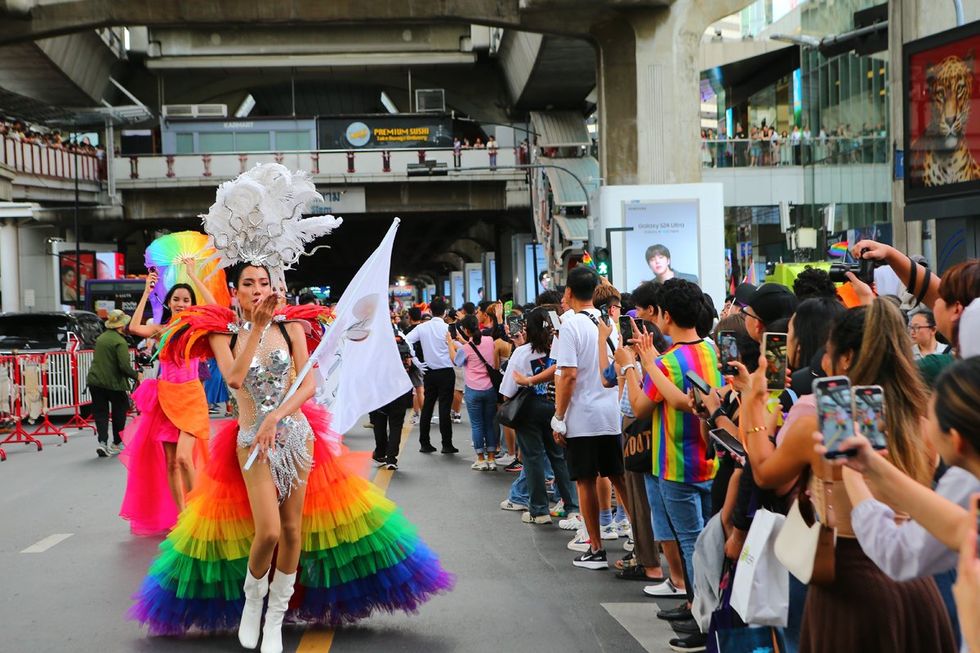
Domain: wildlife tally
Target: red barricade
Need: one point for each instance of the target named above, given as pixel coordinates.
(34, 385)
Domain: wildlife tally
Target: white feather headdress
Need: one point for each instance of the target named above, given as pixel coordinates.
(257, 218)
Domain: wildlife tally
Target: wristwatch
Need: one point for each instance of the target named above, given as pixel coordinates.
(719, 412)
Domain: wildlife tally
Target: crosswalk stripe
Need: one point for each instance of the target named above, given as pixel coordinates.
(48, 542)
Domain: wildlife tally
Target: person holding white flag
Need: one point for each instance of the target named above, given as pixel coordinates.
(278, 478)
(360, 332)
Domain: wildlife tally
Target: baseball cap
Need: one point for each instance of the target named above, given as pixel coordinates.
(772, 301)
(743, 293)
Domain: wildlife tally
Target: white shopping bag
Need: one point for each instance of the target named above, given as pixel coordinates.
(760, 591)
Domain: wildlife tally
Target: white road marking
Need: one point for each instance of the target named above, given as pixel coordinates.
(47, 543)
(640, 621)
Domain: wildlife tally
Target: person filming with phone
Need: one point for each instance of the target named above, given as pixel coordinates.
(860, 609)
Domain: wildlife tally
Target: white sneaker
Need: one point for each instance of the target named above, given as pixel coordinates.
(572, 523)
(540, 519)
(628, 545)
(457, 418)
(623, 528)
(666, 588)
(491, 465)
(479, 466)
(507, 504)
(505, 460)
(608, 532)
(581, 542)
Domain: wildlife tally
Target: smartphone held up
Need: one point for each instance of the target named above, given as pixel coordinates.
(833, 396)
(774, 347)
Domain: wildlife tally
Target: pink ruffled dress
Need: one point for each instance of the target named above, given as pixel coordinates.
(173, 403)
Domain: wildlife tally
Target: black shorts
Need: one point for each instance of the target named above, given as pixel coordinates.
(597, 455)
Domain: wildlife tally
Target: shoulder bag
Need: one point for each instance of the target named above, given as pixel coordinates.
(805, 545)
(509, 412)
(637, 440)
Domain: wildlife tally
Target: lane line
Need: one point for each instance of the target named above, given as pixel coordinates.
(48, 542)
(320, 641)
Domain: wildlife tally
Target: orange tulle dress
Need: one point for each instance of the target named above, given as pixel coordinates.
(172, 403)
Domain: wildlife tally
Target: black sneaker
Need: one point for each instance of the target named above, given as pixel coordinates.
(102, 450)
(449, 449)
(427, 448)
(391, 467)
(592, 560)
(686, 627)
(680, 613)
(689, 643)
(515, 467)
(380, 460)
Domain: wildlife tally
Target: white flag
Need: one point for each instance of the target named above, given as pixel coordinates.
(359, 368)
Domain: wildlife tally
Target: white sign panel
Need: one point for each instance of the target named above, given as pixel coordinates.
(340, 201)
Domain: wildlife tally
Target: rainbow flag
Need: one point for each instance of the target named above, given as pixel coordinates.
(587, 260)
(838, 250)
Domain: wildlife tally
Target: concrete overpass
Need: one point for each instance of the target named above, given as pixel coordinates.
(647, 53)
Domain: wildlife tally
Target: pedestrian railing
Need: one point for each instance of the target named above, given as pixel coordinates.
(752, 152)
(33, 386)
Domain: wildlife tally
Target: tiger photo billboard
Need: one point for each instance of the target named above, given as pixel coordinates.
(942, 114)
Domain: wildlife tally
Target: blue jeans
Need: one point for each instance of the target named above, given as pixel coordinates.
(481, 405)
(688, 507)
(538, 447)
(519, 492)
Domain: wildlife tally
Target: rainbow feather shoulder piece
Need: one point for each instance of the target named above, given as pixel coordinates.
(186, 336)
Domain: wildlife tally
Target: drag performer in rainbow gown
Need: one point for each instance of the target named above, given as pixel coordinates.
(335, 547)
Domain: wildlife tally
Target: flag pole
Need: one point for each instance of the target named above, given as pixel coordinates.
(311, 361)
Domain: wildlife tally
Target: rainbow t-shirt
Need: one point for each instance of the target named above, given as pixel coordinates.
(679, 451)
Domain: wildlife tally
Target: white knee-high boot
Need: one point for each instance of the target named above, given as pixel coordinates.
(280, 591)
(251, 623)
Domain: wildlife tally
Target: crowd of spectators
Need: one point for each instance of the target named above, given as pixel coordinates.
(765, 145)
(591, 398)
(20, 131)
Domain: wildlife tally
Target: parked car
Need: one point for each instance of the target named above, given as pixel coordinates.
(39, 332)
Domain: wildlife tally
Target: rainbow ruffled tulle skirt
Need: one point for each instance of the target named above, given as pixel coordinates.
(359, 553)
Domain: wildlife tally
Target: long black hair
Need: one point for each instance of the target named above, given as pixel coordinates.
(811, 326)
(167, 314)
(470, 325)
(539, 329)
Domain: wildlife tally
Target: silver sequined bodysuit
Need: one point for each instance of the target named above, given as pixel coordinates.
(268, 378)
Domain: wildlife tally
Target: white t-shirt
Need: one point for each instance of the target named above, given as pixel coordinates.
(593, 409)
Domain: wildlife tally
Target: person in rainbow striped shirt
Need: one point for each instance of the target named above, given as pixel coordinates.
(679, 489)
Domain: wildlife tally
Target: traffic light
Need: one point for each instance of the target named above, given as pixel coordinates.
(602, 262)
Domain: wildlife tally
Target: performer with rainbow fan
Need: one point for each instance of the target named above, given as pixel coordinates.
(165, 444)
(339, 548)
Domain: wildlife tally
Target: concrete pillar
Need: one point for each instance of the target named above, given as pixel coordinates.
(10, 264)
(649, 91)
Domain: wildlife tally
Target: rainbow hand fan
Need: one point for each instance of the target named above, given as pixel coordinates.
(166, 253)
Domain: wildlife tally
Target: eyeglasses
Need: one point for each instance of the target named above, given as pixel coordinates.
(914, 329)
(746, 313)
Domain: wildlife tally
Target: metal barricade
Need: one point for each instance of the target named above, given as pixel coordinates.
(81, 396)
(13, 367)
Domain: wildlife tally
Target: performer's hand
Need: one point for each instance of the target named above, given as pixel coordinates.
(151, 280)
(262, 314)
(190, 264)
(265, 437)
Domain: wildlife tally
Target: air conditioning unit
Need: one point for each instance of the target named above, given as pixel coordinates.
(195, 110)
(430, 100)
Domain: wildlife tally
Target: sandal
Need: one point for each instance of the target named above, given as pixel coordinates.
(627, 560)
(636, 572)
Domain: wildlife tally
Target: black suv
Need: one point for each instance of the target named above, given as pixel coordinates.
(38, 332)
